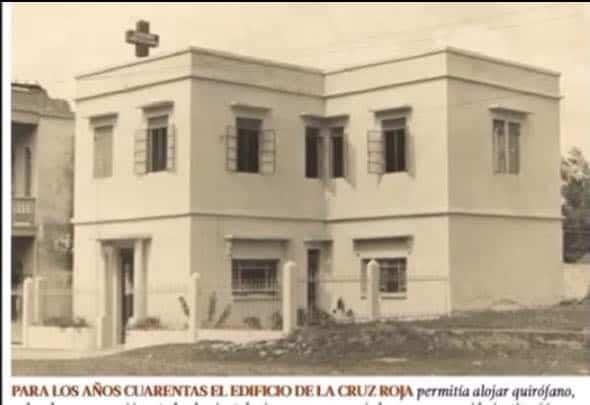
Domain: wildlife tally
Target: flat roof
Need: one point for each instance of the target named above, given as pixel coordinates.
(295, 67)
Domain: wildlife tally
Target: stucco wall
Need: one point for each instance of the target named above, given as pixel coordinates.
(504, 260)
(168, 266)
(427, 265)
(126, 194)
(473, 185)
(287, 192)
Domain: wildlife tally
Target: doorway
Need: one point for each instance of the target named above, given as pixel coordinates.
(127, 283)
(313, 264)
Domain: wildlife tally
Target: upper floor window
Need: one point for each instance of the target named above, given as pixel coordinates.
(506, 138)
(28, 172)
(337, 151)
(248, 144)
(394, 139)
(103, 151)
(388, 148)
(249, 148)
(157, 144)
(313, 151)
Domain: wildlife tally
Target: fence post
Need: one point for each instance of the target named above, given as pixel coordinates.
(40, 299)
(289, 297)
(193, 296)
(373, 289)
(28, 304)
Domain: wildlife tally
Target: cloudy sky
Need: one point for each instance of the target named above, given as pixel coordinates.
(52, 43)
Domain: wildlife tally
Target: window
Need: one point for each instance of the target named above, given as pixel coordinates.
(103, 151)
(157, 144)
(392, 276)
(254, 277)
(506, 146)
(337, 151)
(394, 139)
(313, 142)
(248, 138)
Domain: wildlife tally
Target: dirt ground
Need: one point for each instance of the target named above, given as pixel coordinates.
(445, 346)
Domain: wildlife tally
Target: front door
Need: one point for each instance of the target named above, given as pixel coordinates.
(313, 264)
(127, 278)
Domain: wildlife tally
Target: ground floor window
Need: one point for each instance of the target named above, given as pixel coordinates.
(254, 276)
(392, 275)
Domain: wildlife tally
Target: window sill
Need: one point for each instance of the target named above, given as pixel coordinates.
(393, 296)
(255, 297)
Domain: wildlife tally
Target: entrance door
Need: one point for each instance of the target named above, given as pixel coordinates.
(127, 279)
(313, 264)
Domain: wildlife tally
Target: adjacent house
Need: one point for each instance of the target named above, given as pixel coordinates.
(42, 192)
(442, 166)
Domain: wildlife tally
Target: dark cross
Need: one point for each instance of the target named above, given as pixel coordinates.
(142, 38)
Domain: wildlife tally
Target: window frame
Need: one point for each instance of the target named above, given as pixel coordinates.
(95, 173)
(403, 293)
(332, 136)
(392, 131)
(317, 141)
(242, 131)
(152, 131)
(271, 281)
(509, 167)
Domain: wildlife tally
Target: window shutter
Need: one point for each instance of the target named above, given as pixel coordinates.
(267, 151)
(171, 148)
(410, 168)
(345, 156)
(375, 152)
(141, 152)
(231, 149)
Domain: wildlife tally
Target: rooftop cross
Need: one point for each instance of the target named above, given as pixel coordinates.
(142, 38)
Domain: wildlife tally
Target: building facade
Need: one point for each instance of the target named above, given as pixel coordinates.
(42, 190)
(442, 166)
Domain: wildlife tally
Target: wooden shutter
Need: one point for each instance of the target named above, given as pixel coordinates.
(171, 148)
(345, 156)
(267, 151)
(375, 152)
(141, 151)
(231, 149)
(410, 168)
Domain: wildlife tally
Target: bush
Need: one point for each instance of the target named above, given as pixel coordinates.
(66, 322)
(276, 321)
(253, 322)
(149, 323)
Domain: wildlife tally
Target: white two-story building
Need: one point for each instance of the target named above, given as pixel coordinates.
(442, 166)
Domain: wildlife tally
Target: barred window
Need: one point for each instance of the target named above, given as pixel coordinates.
(392, 275)
(252, 276)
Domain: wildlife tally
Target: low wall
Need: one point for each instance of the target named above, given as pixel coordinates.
(57, 338)
(576, 280)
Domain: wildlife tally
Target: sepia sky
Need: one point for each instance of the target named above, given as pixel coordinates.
(52, 43)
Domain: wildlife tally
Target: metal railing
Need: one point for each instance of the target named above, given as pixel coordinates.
(23, 210)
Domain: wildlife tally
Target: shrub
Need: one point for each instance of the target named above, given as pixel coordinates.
(184, 306)
(276, 321)
(149, 323)
(223, 317)
(66, 322)
(253, 322)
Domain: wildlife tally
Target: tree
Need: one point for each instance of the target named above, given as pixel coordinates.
(575, 190)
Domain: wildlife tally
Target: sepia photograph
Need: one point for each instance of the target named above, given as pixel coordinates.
(314, 189)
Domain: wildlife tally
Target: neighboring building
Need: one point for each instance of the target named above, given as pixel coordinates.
(42, 188)
(443, 166)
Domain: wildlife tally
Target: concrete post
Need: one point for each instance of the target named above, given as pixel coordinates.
(289, 297)
(39, 300)
(139, 284)
(28, 304)
(193, 303)
(373, 290)
(102, 321)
